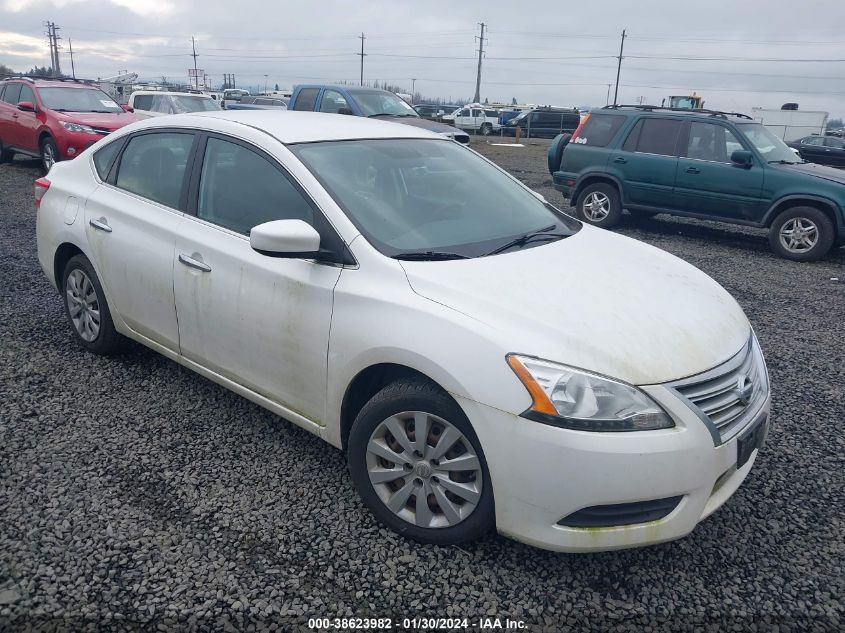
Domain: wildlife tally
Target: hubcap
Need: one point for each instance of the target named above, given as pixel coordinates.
(49, 156)
(596, 206)
(424, 469)
(83, 305)
(799, 235)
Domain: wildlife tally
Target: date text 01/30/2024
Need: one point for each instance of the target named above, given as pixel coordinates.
(446, 624)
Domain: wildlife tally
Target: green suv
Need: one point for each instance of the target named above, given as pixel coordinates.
(703, 164)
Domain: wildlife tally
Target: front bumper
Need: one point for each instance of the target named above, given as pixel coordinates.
(72, 144)
(541, 474)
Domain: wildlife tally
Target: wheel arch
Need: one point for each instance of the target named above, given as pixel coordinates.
(43, 134)
(593, 178)
(63, 254)
(826, 206)
(367, 383)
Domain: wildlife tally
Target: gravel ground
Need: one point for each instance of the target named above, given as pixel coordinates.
(135, 494)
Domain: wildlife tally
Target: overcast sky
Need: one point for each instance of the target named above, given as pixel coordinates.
(559, 52)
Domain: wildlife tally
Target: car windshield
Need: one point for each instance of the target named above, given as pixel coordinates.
(77, 100)
(183, 103)
(378, 103)
(770, 146)
(431, 197)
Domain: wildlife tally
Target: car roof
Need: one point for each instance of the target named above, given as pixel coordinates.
(736, 117)
(52, 83)
(170, 92)
(293, 127)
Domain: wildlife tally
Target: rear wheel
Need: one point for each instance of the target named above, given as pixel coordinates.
(802, 234)
(87, 309)
(5, 154)
(49, 154)
(418, 465)
(486, 129)
(599, 204)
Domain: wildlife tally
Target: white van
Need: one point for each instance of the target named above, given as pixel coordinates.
(149, 103)
(477, 118)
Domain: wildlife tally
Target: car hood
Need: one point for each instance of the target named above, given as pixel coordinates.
(426, 124)
(814, 169)
(106, 121)
(597, 301)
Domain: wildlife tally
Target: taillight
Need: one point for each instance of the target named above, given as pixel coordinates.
(580, 125)
(41, 187)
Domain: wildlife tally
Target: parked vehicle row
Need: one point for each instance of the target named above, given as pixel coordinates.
(147, 103)
(824, 150)
(699, 163)
(544, 122)
(411, 303)
(259, 103)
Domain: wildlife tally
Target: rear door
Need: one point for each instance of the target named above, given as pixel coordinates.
(834, 150)
(463, 119)
(708, 183)
(9, 113)
(131, 223)
(647, 162)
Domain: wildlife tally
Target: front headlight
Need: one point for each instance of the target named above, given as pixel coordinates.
(77, 127)
(575, 399)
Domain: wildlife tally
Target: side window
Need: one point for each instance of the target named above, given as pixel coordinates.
(240, 189)
(476, 113)
(813, 140)
(332, 102)
(143, 102)
(838, 143)
(491, 114)
(104, 157)
(732, 144)
(463, 112)
(12, 92)
(599, 129)
(659, 136)
(26, 94)
(306, 100)
(162, 103)
(153, 166)
(630, 144)
(705, 141)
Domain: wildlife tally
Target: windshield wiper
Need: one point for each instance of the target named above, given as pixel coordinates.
(522, 240)
(429, 256)
(370, 116)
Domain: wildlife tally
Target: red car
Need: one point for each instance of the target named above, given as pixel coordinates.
(54, 119)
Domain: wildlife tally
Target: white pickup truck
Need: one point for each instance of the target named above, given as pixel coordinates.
(149, 103)
(477, 118)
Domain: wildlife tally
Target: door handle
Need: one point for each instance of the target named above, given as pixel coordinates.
(620, 160)
(693, 170)
(100, 225)
(194, 263)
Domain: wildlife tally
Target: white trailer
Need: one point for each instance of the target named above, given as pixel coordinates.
(790, 125)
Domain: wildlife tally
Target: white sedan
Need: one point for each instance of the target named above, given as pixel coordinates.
(486, 361)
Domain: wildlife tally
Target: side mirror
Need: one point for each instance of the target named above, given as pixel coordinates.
(127, 108)
(285, 238)
(742, 158)
(26, 106)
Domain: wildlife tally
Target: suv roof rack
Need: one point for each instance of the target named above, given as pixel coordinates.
(650, 108)
(32, 78)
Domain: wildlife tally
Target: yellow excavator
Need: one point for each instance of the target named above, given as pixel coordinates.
(685, 102)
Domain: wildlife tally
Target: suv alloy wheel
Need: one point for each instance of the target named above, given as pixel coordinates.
(803, 234)
(599, 204)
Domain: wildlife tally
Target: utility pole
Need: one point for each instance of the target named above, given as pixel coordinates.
(72, 68)
(480, 55)
(413, 88)
(49, 26)
(265, 84)
(58, 68)
(362, 38)
(619, 68)
(194, 55)
(607, 100)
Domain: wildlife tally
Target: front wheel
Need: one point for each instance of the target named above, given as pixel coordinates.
(418, 466)
(49, 154)
(599, 204)
(486, 129)
(802, 234)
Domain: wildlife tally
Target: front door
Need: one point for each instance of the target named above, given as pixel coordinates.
(708, 183)
(258, 320)
(26, 128)
(131, 224)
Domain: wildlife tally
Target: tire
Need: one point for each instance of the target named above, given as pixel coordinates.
(802, 234)
(49, 154)
(486, 129)
(5, 154)
(599, 204)
(555, 154)
(85, 303)
(444, 518)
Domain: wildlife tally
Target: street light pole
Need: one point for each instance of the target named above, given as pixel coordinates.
(265, 84)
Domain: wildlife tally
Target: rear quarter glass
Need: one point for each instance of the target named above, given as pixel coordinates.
(600, 129)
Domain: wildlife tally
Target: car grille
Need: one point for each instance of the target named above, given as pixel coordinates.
(728, 396)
